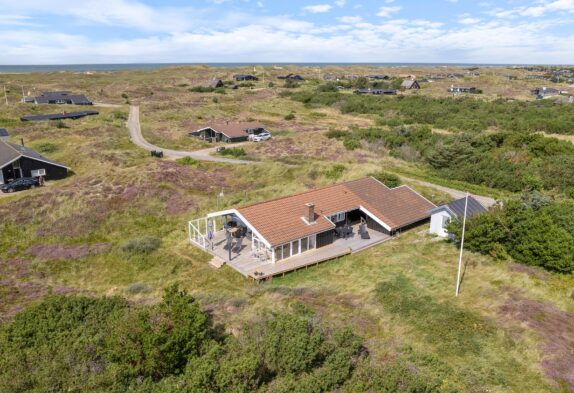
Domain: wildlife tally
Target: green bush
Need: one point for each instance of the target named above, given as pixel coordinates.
(61, 124)
(47, 147)
(233, 151)
(187, 161)
(202, 89)
(120, 115)
(335, 172)
(289, 116)
(539, 237)
(388, 179)
(351, 144)
(141, 245)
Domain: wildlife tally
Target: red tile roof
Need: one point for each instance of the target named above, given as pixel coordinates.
(281, 220)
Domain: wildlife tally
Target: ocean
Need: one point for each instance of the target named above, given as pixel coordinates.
(150, 66)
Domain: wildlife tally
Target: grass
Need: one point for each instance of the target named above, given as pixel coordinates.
(398, 295)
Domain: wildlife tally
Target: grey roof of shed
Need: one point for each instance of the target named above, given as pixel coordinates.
(9, 152)
(59, 116)
(3, 132)
(457, 207)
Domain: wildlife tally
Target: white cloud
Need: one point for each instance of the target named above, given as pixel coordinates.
(318, 8)
(126, 13)
(189, 35)
(540, 9)
(469, 21)
(386, 12)
(340, 3)
(350, 19)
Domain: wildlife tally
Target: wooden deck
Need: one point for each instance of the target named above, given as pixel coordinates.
(247, 265)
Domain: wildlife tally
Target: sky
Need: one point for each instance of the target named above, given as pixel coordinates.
(265, 31)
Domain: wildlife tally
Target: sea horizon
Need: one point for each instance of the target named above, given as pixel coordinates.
(114, 67)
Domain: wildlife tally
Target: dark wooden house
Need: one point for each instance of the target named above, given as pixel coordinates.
(245, 77)
(293, 77)
(61, 97)
(228, 132)
(18, 161)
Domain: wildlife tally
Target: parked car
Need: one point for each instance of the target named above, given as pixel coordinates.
(23, 183)
(261, 137)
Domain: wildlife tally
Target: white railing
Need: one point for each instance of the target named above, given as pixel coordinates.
(197, 236)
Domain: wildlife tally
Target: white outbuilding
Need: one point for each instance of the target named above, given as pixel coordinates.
(441, 215)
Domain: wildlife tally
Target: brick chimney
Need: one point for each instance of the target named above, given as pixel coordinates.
(310, 210)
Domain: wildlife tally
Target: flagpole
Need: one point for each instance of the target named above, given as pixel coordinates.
(461, 246)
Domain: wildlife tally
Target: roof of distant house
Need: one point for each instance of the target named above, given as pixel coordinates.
(51, 96)
(10, 152)
(280, 220)
(3, 132)
(408, 83)
(457, 207)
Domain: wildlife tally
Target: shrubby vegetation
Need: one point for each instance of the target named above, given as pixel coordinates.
(510, 161)
(388, 179)
(233, 152)
(461, 114)
(533, 231)
(80, 344)
(187, 161)
(202, 89)
(141, 245)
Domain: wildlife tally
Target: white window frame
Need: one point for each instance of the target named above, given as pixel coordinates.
(38, 172)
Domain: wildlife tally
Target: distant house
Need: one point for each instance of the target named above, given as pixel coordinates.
(455, 76)
(462, 89)
(376, 91)
(544, 92)
(410, 84)
(215, 83)
(442, 215)
(332, 77)
(407, 76)
(228, 132)
(245, 77)
(379, 77)
(18, 161)
(293, 77)
(60, 97)
(59, 116)
(3, 134)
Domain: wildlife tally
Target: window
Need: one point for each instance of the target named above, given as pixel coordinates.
(312, 241)
(38, 172)
(304, 244)
(286, 250)
(337, 217)
(295, 247)
(445, 221)
(278, 253)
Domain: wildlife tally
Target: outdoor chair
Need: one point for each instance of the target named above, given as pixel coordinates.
(238, 245)
(365, 235)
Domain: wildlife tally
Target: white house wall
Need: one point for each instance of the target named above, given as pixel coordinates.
(437, 223)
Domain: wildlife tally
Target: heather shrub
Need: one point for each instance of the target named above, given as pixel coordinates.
(141, 245)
